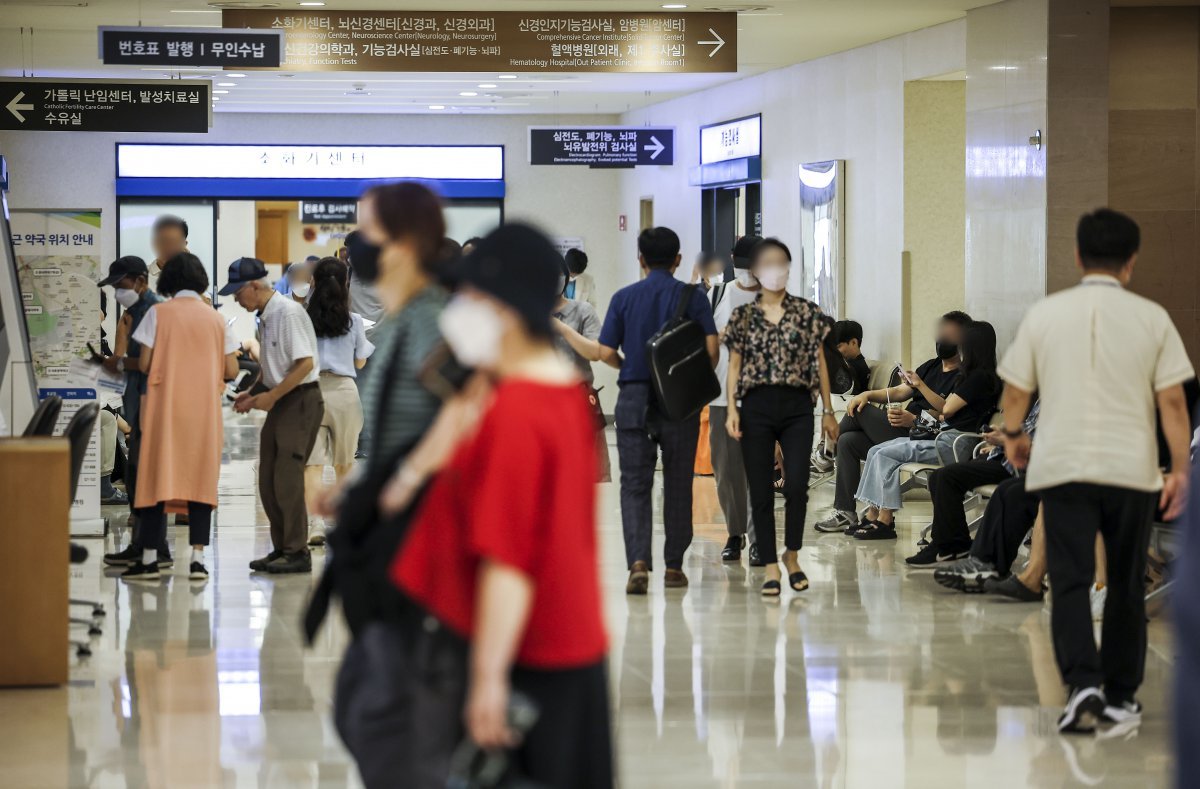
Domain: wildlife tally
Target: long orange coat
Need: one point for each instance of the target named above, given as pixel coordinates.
(182, 433)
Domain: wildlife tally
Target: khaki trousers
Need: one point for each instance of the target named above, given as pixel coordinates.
(287, 440)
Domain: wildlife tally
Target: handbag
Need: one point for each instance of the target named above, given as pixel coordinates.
(593, 397)
(681, 370)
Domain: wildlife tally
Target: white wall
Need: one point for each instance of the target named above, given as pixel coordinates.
(66, 170)
(846, 106)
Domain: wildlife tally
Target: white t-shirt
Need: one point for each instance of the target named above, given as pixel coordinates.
(1097, 354)
(287, 335)
(731, 299)
(147, 330)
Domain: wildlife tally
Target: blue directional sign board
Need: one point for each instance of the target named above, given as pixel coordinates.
(609, 146)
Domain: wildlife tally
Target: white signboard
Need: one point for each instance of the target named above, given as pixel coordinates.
(735, 139)
(562, 244)
(465, 162)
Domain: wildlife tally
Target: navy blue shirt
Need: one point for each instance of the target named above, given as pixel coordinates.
(135, 378)
(638, 311)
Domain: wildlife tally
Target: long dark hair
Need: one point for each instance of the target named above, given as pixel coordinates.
(978, 349)
(329, 303)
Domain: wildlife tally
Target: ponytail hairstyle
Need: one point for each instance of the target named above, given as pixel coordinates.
(329, 302)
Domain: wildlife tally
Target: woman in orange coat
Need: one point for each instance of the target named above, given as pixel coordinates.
(187, 355)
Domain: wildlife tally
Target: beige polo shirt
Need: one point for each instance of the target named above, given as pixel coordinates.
(1097, 354)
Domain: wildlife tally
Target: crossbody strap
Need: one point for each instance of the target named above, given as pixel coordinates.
(684, 298)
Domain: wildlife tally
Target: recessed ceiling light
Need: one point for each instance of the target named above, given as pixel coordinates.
(674, 5)
(312, 4)
(220, 91)
(508, 76)
(226, 84)
(216, 98)
(437, 106)
(468, 93)
(487, 84)
(235, 76)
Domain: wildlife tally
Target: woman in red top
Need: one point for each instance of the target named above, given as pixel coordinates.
(502, 550)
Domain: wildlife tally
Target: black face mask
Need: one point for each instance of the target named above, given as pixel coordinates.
(364, 259)
(946, 350)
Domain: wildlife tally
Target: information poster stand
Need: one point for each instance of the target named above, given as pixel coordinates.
(58, 266)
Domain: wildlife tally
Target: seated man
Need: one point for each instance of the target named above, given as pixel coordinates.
(864, 428)
(950, 537)
(847, 338)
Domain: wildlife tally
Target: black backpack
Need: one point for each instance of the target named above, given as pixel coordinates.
(681, 370)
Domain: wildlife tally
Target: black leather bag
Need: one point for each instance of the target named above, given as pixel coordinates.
(681, 370)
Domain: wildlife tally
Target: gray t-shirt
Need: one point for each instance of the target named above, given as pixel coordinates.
(581, 317)
(365, 302)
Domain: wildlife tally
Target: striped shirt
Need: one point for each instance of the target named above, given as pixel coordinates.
(410, 407)
(287, 336)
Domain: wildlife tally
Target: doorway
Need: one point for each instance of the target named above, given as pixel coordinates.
(271, 239)
(729, 212)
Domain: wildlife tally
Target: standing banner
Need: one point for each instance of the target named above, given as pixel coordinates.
(58, 266)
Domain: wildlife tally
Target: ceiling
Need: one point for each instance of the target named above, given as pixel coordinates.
(60, 40)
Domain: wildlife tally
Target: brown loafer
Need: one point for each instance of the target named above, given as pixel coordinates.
(639, 579)
(675, 579)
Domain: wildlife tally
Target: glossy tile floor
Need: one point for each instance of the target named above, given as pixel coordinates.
(873, 678)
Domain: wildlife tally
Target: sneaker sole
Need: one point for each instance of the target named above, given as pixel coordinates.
(197, 576)
(142, 579)
(118, 562)
(1084, 717)
(289, 570)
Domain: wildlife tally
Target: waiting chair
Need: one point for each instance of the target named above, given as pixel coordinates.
(44, 418)
(79, 433)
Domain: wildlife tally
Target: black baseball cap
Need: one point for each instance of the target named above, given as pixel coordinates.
(518, 265)
(128, 266)
(742, 249)
(241, 271)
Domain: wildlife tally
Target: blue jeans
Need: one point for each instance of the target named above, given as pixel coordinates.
(880, 485)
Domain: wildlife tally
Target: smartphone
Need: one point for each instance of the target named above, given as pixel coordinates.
(96, 357)
(442, 375)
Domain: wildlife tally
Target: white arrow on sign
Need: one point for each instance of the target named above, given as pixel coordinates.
(720, 42)
(657, 147)
(14, 107)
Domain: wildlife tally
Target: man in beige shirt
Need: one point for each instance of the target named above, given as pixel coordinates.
(1102, 359)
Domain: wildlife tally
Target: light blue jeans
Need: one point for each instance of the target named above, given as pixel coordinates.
(880, 485)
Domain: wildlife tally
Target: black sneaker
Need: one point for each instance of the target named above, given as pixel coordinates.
(969, 574)
(164, 560)
(139, 572)
(930, 557)
(291, 563)
(1083, 711)
(131, 555)
(732, 551)
(197, 572)
(755, 561)
(260, 565)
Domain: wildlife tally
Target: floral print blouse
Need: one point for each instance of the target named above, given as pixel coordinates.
(787, 354)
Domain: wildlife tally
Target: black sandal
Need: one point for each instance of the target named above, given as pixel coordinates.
(771, 589)
(879, 531)
(866, 525)
(798, 581)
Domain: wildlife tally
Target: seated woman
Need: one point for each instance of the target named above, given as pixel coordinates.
(968, 406)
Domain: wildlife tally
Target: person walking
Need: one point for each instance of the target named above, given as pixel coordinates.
(777, 370)
(130, 277)
(635, 314)
(294, 406)
(581, 286)
(343, 349)
(517, 487)
(187, 354)
(1101, 359)
(733, 492)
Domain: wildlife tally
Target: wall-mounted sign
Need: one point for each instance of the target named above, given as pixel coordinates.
(735, 139)
(664, 43)
(169, 46)
(610, 145)
(320, 212)
(104, 105)
(469, 162)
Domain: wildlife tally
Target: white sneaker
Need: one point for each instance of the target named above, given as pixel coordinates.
(1127, 712)
(316, 532)
(1099, 596)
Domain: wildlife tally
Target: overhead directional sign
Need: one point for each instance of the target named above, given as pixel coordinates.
(596, 145)
(170, 46)
(620, 41)
(105, 105)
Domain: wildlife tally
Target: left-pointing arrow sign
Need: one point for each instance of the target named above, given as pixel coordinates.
(657, 147)
(15, 107)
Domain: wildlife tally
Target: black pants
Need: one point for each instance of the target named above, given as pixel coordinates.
(570, 746)
(637, 455)
(1008, 518)
(773, 414)
(856, 435)
(153, 524)
(947, 487)
(1074, 513)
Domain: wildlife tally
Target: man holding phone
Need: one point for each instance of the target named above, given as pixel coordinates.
(864, 427)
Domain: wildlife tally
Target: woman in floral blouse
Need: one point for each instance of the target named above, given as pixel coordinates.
(776, 369)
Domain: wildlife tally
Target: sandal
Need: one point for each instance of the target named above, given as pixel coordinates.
(771, 589)
(863, 527)
(798, 581)
(879, 531)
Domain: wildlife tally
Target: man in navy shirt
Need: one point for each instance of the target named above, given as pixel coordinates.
(635, 314)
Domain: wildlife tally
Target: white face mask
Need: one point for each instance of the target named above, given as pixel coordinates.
(472, 328)
(773, 279)
(301, 291)
(126, 297)
(716, 280)
(745, 277)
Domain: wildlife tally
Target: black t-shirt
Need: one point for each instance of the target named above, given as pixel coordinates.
(935, 378)
(861, 374)
(981, 390)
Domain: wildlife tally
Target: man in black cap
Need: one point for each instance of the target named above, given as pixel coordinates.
(129, 277)
(294, 406)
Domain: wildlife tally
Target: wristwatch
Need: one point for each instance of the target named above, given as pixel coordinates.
(827, 412)
(121, 364)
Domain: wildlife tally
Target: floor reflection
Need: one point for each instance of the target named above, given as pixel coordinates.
(873, 678)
